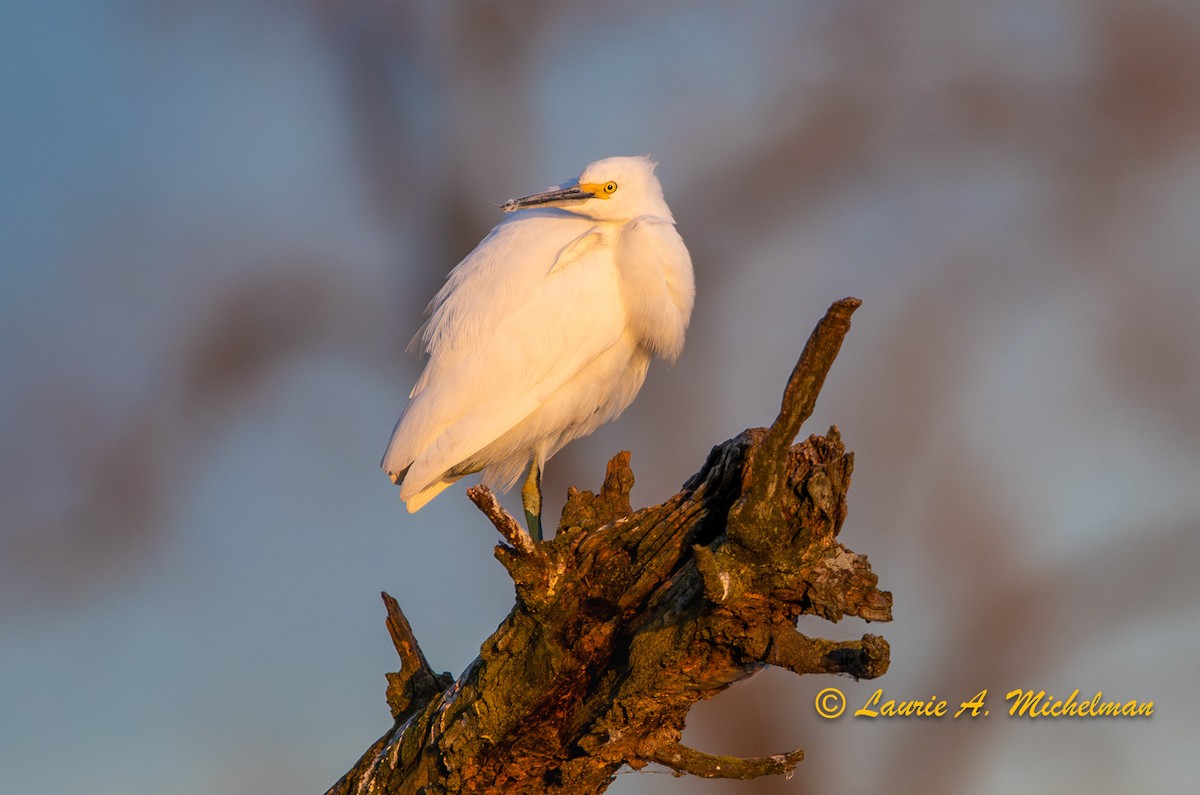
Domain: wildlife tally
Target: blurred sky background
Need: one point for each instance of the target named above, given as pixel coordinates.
(219, 224)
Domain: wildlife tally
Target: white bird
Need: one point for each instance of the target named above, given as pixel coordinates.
(544, 333)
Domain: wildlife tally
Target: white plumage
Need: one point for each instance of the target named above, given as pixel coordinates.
(544, 332)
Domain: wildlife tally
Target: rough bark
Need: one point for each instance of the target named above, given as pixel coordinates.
(625, 619)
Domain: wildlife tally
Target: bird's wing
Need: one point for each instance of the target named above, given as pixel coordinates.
(490, 371)
(494, 281)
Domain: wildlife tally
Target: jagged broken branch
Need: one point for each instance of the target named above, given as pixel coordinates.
(625, 619)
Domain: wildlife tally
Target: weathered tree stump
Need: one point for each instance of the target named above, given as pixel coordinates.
(625, 619)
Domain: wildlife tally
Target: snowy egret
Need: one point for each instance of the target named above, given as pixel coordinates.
(543, 333)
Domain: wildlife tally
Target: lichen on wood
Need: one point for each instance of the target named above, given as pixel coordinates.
(626, 618)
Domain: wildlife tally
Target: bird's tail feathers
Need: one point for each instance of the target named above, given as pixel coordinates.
(419, 500)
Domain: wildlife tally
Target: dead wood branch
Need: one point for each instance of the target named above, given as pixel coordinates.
(625, 619)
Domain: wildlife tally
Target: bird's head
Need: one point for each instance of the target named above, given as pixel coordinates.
(613, 189)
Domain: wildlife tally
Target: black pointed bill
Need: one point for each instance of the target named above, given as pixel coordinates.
(551, 198)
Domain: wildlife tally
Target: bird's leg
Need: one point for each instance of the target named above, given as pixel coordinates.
(531, 498)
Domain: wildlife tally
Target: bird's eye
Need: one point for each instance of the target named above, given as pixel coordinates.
(610, 187)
